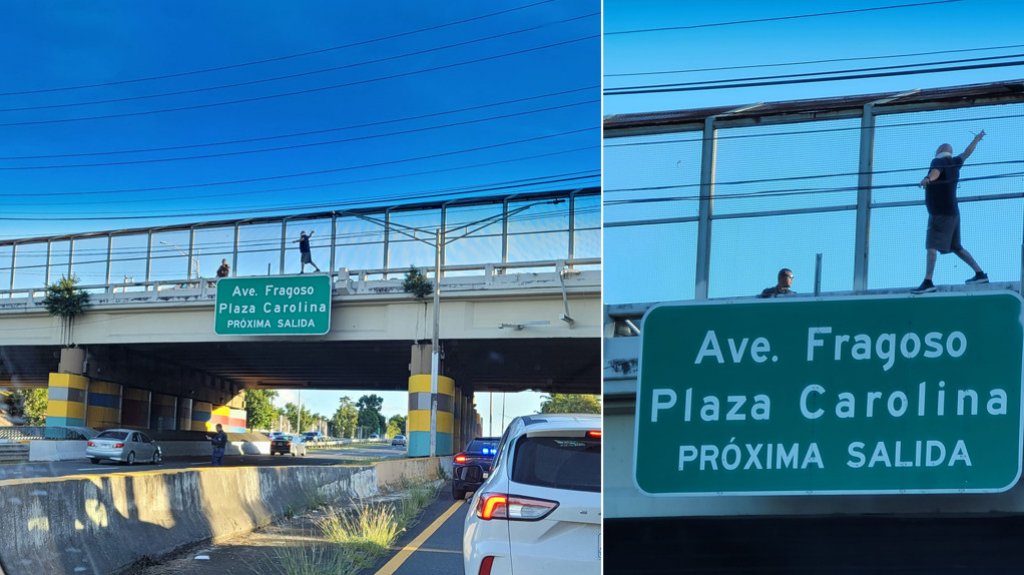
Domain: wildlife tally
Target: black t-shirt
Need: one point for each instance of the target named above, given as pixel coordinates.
(940, 195)
(304, 244)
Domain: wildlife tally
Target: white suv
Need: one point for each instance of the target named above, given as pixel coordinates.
(540, 509)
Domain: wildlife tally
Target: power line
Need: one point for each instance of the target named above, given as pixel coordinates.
(803, 62)
(814, 80)
(295, 75)
(278, 58)
(449, 193)
(814, 74)
(817, 131)
(300, 174)
(777, 18)
(307, 133)
(800, 178)
(306, 91)
(299, 146)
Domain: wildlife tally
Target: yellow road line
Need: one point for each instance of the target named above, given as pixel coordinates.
(391, 566)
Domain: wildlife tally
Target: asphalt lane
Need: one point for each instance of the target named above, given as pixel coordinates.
(441, 553)
(315, 457)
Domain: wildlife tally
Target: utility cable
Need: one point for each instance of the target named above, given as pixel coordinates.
(307, 133)
(777, 18)
(300, 174)
(302, 92)
(815, 74)
(277, 58)
(805, 62)
(815, 80)
(300, 146)
(294, 75)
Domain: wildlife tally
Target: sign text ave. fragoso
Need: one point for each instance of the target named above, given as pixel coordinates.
(849, 395)
(275, 305)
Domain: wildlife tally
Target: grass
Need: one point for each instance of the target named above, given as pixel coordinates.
(308, 560)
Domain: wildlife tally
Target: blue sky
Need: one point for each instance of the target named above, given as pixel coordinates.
(748, 252)
(371, 101)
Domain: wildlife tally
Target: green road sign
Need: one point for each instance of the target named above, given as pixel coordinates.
(277, 305)
(849, 395)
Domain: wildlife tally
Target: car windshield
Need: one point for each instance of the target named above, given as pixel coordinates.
(559, 462)
(483, 447)
(113, 435)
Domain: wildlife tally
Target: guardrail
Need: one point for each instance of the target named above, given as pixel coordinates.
(353, 280)
(23, 434)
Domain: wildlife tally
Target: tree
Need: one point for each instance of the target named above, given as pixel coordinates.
(34, 403)
(570, 403)
(398, 421)
(65, 300)
(259, 411)
(291, 411)
(416, 283)
(370, 417)
(345, 418)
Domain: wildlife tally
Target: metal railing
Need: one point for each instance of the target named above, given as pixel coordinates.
(500, 232)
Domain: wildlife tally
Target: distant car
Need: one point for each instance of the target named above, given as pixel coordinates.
(374, 436)
(471, 467)
(124, 445)
(314, 436)
(540, 509)
(294, 444)
(398, 440)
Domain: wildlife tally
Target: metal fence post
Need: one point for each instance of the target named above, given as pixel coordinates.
(709, 149)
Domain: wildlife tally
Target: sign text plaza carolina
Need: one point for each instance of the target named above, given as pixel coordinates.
(851, 395)
(274, 305)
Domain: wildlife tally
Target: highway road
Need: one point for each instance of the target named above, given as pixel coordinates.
(327, 456)
(434, 545)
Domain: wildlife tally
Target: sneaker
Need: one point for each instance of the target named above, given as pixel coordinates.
(979, 278)
(925, 287)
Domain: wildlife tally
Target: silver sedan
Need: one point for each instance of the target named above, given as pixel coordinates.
(126, 445)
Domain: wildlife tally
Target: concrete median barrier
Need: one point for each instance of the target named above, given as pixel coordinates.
(100, 524)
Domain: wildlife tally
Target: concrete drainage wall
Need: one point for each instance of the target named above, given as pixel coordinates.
(52, 450)
(99, 524)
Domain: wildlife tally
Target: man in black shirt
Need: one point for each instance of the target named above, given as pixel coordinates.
(307, 256)
(944, 214)
(783, 288)
(219, 441)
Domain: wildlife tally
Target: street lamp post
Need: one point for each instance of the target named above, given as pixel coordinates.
(192, 258)
(439, 244)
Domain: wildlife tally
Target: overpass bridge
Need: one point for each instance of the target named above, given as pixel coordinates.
(520, 309)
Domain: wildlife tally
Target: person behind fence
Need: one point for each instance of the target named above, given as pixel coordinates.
(944, 213)
(307, 256)
(224, 270)
(783, 288)
(219, 441)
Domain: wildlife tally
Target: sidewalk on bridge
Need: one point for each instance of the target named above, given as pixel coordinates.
(260, 552)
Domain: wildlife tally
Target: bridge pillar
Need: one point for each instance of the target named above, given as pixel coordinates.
(202, 411)
(66, 400)
(136, 406)
(418, 424)
(103, 405)
(457, 420)
(185, 413)
(164, 412)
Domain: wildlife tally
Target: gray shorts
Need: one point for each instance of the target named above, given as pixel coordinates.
(944, 233)
(307, 258)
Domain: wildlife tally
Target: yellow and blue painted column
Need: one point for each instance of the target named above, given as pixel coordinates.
(185, 413)
(66, 400)
(103, 405)
(418, 424)
(201, 413)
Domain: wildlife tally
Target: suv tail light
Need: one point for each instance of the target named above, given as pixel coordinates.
(512, 507)
(486, 564)
(594, 434)
(460, 458)
(118, 445)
